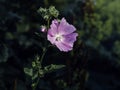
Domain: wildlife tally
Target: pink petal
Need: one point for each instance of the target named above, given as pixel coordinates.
(54, 27)
(65, 28)
(63, 47)
(70, 38)
(51, 38)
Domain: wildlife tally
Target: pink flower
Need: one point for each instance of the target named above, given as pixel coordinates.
(62, 34)
(43, 29)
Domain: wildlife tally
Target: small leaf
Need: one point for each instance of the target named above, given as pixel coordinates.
(52, 67)
(34, 76)
(53, 11)
(28, 71)
(41, 73)
(33, 85)
(33, 64)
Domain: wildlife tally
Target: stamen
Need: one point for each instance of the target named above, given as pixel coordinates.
(58, 37)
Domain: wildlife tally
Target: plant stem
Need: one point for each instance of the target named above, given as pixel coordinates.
(41, 59)
(48, 23)
(44, 51)
(36, 83)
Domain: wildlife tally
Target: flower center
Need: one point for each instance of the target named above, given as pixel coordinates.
(58, 37)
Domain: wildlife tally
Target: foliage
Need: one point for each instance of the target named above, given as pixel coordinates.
(92, 65)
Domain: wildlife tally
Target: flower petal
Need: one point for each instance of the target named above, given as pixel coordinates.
(70, 37)
(51, 38)
(54, 27)
(63, 47)
(65, 28)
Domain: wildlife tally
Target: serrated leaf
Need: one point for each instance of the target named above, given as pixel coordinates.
(28, 71)
(34, 76)
(52, 67)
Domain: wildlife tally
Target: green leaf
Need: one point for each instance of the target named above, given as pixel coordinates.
(52, 67)
(33, 64)
(28, 71)
(35, 76)
(53, 11)
(41, 73)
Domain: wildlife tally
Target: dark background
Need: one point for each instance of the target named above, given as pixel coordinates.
(94, 64)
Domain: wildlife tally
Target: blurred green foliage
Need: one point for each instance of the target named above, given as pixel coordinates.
(98, 25)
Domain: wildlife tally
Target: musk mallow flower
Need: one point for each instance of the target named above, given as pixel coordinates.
(62, 34)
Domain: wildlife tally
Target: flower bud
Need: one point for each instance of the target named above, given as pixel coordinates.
(43, 29)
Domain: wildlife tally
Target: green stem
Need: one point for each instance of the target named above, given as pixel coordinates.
(48, 23)
(36, 83)
(44, 51)
(41, 59)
